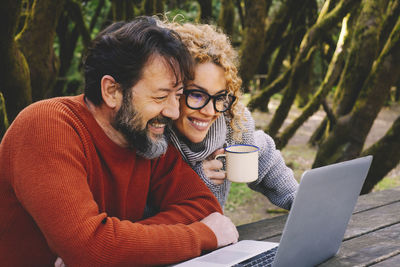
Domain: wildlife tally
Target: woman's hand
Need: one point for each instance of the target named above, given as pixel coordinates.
(212, 168)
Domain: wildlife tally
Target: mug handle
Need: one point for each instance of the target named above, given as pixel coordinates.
(217, 157)
(220, 156)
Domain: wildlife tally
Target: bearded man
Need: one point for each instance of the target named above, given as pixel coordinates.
(78, 172)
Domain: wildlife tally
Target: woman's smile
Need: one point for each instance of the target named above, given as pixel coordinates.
(195, 123)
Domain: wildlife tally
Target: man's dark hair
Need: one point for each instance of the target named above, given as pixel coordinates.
(122, 50)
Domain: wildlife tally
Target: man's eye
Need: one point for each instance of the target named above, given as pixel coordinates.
(161, 97)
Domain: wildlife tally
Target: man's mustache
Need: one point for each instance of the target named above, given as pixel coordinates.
(161, 120)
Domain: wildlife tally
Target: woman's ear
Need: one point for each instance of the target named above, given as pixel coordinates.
(112, 95)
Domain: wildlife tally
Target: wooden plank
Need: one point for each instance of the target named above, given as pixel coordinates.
(373, 219)
(376, 199)
(360, 223)
(390, 262)
(268, 229)
(369, 249)
(263, 229)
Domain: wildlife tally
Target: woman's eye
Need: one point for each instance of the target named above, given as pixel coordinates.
(197, 96)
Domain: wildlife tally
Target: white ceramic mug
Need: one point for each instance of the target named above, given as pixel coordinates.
(241, 163)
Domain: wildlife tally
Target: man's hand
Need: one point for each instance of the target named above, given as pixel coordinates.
(223, 228)
(212, 168)
(59, 263)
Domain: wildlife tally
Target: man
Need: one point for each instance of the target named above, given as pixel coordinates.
(77, 172)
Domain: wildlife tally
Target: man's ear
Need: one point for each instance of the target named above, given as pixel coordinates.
(112, 95)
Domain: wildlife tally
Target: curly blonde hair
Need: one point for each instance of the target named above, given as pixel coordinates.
(208, 43)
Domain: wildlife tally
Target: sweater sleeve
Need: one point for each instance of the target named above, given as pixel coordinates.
(220, 191)
(178, 193)
(50, 181)
(276, 181)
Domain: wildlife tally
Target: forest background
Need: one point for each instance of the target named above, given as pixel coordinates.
(338, 59)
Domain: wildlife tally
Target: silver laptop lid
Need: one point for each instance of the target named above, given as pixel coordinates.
(320, 213)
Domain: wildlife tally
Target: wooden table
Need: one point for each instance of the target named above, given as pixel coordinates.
(372, 237)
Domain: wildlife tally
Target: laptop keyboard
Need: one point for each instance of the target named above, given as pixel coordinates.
(263, 259)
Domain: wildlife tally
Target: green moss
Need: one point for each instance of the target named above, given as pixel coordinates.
(387, 182)
(238, 195)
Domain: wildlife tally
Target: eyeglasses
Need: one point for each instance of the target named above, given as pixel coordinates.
(198, 99)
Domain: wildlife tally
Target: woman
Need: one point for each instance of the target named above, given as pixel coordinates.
(211, 117)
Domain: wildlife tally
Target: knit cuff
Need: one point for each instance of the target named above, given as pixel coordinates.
(208, 240)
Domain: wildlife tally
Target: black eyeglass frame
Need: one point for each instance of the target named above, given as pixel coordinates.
(186, 92)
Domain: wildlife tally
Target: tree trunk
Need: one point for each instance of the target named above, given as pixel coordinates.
(312, 36)
(288, 14)
(36, 42)
(274, 32)
(393, 12)
(334, 70)
(251, 47)
(14, 70)
(261, 99)
(363, 51)
(326, 126)
(75, 12)
(386, 154)
(159, 7)
(3, 117)
(227, 16)
(67, 42)
(205, 11)
(305, 85)
(275, 67)
(150, 7)
(349, 134)
(117, 7)
(240, 12)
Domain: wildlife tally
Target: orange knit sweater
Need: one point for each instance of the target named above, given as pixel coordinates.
(66, 189)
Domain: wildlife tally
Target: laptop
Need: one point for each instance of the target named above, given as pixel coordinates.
(315, 227)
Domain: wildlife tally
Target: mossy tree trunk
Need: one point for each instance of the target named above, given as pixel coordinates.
(68, 38)
(308, 44)
(364, 49)
(276, 31)
(150, 7)
(392, 13)
(283, 34)
(348, 136)
(302, 23)
(75, 12)
(260, 99)
(3, 117)
(226, 18)
(386, 154)
(365, 29)
(124, 9)
(287, 28)
(14, 71)
(36, 42)
(333, 72)
(205, 15)
(251, 46)
(239, 6)
(327, 123)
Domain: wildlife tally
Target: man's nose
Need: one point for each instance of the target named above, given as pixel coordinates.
(171, 110)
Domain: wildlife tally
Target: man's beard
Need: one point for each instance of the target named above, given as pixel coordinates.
(128, 121)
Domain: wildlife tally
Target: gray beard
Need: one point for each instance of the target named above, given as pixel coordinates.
(128, 122)
(155, 149)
